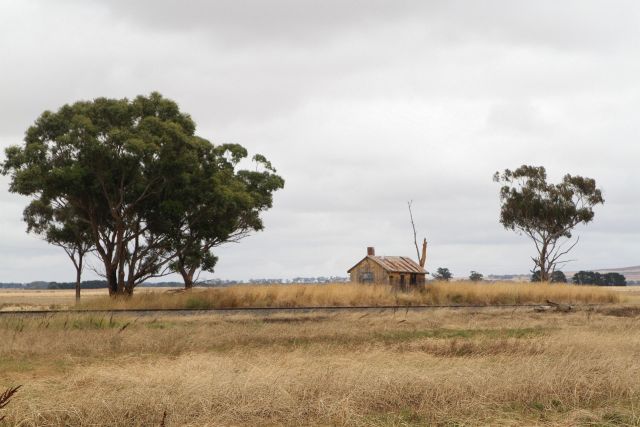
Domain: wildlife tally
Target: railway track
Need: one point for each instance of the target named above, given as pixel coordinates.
(272, 310)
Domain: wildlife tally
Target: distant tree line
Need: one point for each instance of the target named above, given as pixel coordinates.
(503, 277)
(86, 284)
(585, 278)
(210, 283)
(89, 284)
(595, 278)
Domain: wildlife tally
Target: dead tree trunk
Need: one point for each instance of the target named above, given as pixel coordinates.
(422, 258)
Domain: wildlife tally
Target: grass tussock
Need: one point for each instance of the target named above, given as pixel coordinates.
(441, 293)
(5, 398)
(443, 367)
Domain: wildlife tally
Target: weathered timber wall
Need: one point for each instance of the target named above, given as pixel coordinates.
(369, 269)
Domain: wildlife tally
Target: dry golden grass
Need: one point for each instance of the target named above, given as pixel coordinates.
(446, 367)
(24, 299)
(442, 293)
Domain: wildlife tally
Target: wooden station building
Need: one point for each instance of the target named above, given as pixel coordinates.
(393, 270)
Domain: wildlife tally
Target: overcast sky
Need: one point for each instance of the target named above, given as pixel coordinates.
(361, 106)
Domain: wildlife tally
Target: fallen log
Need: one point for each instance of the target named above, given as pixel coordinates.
(563, 308)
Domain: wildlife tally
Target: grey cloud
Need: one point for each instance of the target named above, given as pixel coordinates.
(361, 106)
(568, 24)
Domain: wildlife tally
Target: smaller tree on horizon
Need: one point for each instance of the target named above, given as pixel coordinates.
(556, 277)
(546, 213)
(443, 274)
(586, 278)
(58, 225)
(476, 277)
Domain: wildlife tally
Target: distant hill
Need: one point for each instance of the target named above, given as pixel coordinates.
(633, 270)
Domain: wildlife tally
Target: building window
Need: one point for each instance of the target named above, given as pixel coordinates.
(366, 277)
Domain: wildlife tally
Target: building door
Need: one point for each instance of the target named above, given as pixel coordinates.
(414, 279)
(402, 280)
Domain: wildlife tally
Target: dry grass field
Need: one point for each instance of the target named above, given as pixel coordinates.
(380, 368)
(19, 299)
(443, 367)
(442, 293)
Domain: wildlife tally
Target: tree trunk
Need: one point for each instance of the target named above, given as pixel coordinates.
(423, 257)
(187, 277)
(78, 280)
(128, 289)
(120, 258)
(542, 264)
(130, 284)
(112, 279)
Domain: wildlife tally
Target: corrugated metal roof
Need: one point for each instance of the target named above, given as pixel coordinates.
(398, 264)
(395, 264)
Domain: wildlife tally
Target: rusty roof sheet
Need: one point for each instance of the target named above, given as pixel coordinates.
(395, 264)
(398, 264)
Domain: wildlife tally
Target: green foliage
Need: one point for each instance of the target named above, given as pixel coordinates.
(58, 223)
(595, 278)
(135, 180)
(546, 212)
(86, 284)
(443, 273)
(555, 277)
(476, 277)
(218, 205)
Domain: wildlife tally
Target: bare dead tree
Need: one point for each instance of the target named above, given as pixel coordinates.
(422, 258)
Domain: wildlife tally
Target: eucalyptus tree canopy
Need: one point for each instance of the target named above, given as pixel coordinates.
(595, 278)
(474, 276)
(216, 204)
(556, 276)
(138, 177)
(546, 213)
(58, 224)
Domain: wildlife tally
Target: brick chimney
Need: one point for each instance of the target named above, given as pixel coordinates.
(371, 251)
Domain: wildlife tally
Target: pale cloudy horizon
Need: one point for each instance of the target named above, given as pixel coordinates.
(361, 106)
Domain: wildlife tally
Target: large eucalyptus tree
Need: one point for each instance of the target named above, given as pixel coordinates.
(135, 174)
